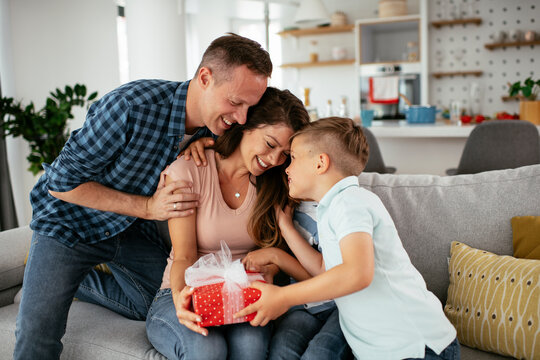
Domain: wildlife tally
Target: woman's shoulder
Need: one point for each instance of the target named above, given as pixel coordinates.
(181, 167)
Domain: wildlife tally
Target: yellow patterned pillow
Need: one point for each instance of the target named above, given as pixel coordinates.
(493, 301)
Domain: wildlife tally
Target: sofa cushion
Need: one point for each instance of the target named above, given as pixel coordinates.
(92, 332)
(12, 261)
(493, 301)
(526, 237)
(432, 211)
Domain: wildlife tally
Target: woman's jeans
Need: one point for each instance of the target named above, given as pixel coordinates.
(301, 335)
(175, 341)
(55, 273)
(452, 352)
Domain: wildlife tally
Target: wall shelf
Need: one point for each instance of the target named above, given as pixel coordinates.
(318, 30)
(439, 75)
(512, 98)
(438, 24)
(318, 63)
(510, 44)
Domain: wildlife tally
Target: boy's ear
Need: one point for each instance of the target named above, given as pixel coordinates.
(323, 163)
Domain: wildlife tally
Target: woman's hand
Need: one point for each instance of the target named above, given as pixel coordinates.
(256, 260)
(268, 272)
(196, 150)
(189, 319)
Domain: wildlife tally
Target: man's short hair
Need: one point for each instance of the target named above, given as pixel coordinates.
(341, 139)
(231, 50)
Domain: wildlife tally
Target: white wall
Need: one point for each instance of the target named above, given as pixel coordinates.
(49, 44)
(156, 40)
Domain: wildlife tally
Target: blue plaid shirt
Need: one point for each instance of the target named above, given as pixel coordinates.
(128, 138)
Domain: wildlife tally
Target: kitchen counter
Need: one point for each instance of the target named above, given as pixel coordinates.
(421, 148)
(400, 128)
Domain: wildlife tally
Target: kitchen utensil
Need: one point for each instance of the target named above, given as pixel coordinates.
(419, 114)
(367, 117)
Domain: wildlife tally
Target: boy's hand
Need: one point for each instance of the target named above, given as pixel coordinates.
(196, 150)
(189, 319)
(269, 307)
(284, 217)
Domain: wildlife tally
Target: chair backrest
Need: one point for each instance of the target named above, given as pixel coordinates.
(500, 144)
(375, 161)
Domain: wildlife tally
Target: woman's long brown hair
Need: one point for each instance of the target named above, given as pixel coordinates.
(275, 107)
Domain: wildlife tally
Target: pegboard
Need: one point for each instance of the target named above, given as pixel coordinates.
(461, 48)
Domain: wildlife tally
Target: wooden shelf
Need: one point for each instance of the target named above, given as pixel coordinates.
(318, 63)
(439, 75)
(510, 44)
(391, 62)
(512, 98)
(318, 30)
(438, 24)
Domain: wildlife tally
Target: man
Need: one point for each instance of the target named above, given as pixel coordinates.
(95, 202)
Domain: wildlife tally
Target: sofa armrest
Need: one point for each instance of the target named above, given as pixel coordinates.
(15, 244)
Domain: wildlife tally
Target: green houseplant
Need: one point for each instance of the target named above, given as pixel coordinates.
(46, 129)
(529, 107)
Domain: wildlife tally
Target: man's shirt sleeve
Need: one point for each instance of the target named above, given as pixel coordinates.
(92, 148)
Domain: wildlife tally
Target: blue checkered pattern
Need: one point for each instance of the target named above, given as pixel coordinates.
(128, 138)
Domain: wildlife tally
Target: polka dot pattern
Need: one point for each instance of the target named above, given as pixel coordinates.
(494, 301)
(208, 302)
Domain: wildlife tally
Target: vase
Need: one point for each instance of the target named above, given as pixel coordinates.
(530, 111)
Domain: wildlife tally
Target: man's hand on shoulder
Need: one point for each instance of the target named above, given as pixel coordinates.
(196, 149)
(171, 200)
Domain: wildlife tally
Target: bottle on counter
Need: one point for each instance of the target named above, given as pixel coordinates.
(343, 108)
(311, 110)
(329, 111)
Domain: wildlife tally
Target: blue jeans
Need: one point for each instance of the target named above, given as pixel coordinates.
(452, 352)
(54, 272)
(302, 335)
(175, 341)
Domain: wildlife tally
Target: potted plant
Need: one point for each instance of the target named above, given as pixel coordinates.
(529, 106)
(46, 129)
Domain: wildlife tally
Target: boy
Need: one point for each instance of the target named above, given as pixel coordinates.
(385, 310)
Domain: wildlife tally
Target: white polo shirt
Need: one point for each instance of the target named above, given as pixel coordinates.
(395, 317)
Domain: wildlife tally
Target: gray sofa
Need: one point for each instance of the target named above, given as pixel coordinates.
(429, 212)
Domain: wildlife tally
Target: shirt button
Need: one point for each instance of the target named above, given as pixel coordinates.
(107, 233)
(175, 147)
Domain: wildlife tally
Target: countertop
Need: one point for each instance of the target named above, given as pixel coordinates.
(400, 128)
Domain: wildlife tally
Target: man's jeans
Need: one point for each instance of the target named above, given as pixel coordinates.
(54, 272)
(175, 341)
(302, 335)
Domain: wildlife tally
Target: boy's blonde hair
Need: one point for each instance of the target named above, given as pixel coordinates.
(341, 139)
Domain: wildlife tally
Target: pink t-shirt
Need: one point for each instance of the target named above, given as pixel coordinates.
(216, 221)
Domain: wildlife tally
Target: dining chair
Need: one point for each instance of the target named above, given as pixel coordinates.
(375, 161)
(497, 145)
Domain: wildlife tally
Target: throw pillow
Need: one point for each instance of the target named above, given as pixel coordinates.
(526, 237)
(493, 301)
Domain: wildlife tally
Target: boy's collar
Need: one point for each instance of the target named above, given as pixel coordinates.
(337, 188)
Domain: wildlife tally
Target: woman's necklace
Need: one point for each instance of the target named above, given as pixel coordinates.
(237, 193)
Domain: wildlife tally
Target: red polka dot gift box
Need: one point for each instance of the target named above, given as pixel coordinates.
(221, 288)
(216, 305)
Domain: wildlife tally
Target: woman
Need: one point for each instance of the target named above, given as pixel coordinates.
(240, 187)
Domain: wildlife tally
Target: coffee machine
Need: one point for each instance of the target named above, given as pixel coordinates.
(385, 88)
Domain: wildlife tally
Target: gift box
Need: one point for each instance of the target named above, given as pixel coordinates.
(221, 288)
(215, 305)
